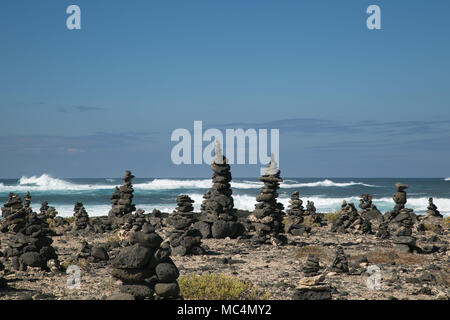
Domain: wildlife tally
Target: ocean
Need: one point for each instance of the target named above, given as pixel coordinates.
(151, 193)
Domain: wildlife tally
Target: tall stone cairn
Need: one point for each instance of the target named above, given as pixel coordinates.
(295, 211)
(13, 214)
(122, 200)
(204, 205)
(81, 216)
(400, 221)
(268, 214)
(145, 268)
(47, 212)
(184, 239)
(27, 202)
(219, 214)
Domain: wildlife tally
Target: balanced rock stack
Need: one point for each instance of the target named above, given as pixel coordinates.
(310, 215)
(32, 246)
(156, 219)
(295, 216)
(349, 221)
(134, 222)
(3, 282)
(122, 201)
(219, 213)
(91, 253)
(368, 209)
(13, 214)
(27, 202)
(312, 285)
(340, 262)
(81, 216)
(267, 216)
(432, 209)
(206, 197)
(433, 216)
(401, 221)
(47, 212)
(403, 239)
(145, 268)
(184, 239)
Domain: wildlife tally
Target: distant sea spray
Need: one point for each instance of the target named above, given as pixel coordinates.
(159, 193)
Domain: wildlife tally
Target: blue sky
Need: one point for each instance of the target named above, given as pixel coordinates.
(349, 102)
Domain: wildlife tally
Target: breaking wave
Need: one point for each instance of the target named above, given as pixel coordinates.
(47, 183)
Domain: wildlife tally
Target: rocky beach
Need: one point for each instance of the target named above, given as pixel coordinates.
(355, 253)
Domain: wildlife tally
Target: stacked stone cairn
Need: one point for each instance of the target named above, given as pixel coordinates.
(311, 216)
(91, 253)
(268, 214)
(3, 282)
(368, 210)
(206, 197)
(312, 285)
(349, 221)
(156, 219)
(30, 245)
(47, 212)
(81, 217)
(27, 203)
(340, 262)
(293, 222)
(134, 222)
(145, 268)
(433, 217)
(13, 215)
(184, 239)
(122, 201)
(219, 215)
(401, 220)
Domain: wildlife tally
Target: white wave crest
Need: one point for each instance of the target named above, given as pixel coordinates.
(325, 183)
(47, 183)
(447, 179)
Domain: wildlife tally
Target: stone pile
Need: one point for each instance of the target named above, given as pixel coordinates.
(184, 239)
(145, 268)
(27, 202)
(432, 210)
(368, 210)
(122, 201)
(204, 205)
(3, 282)
(91, 253)
(31, 246)
(433, 216)
(311, 216)
(47, 212)
(13, 215)
(340, 262)
(383, 231)
(219, 215)
(312, 285)
(268, 214)
(349, 221)
(401, 220)
(135, 222)
(156, 219)
(293, 222)
(81, 217)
